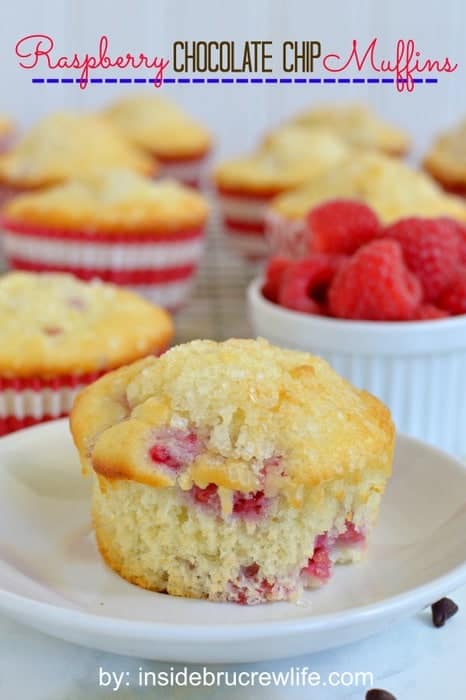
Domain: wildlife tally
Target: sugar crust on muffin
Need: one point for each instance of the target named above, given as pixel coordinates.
(358, 125)
(112, 201)
(159, 126)
(392, 188)
(54, 324)
(234, 471)
(65, 144)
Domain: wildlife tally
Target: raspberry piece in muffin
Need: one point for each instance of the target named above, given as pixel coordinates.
(238, 472)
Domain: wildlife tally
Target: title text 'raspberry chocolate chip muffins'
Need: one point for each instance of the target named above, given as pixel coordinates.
(232, 471)
(446, 160)
(358, 126)
(166, 132)
(59, 334)
(247, 185)
(64, 145)
(393, 190)
(113, 225)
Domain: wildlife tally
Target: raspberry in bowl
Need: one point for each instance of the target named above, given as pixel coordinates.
(246, 186)
(387, 309)
(112, 225)
(393, 189)
(60, 334)
(232, 471)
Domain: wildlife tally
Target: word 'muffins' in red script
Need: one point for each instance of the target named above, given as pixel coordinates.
(36, 49)
(404, 65)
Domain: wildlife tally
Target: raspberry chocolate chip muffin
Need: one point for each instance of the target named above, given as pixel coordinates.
(113, 225)
(59, 334)
(358, 126)
(164, 131)
(390, 187)
(446, 160)
(247, 185)
(64, 145)
(232, 471)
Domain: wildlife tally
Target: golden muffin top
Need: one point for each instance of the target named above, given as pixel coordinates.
(286, 159)
(234, 414)
(159, 126)
(6, 125)
(112, 201)
(390, 187)
(64, 145)
(357, 125)
(55, 324)
(446, 160)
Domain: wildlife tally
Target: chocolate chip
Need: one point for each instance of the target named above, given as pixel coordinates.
(442, 610)
(379, 694)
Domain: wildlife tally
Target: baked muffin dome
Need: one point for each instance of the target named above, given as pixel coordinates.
(53, 324)
(159, 126)
(446, 160)
(285, 160)
(357, 125)
(393, 189)
(64, 145)
(231, 471)
(110, 202)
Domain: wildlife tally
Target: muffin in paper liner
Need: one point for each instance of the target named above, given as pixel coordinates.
(60, 334)
(114, 226)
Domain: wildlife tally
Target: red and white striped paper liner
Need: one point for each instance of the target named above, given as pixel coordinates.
(25, 402)
(286, 237)
(243, 218)
(160, 266)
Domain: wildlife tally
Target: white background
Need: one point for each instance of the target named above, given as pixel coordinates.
(237, 114)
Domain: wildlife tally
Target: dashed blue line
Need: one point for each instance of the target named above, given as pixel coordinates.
(237, 81)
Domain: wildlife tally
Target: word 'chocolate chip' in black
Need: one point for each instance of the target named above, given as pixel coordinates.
(379, 694)
(442, 610)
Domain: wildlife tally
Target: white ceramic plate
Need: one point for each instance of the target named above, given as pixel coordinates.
(52, 577)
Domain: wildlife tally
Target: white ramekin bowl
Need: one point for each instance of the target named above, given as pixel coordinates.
(417, 368)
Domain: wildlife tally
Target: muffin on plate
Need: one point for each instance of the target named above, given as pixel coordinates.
(393, 190)
(358, 126)
(232, 471)
(165, 132)
(246, 185)
(60, 334)
(65, 145)
(113, 225)
(446, 160)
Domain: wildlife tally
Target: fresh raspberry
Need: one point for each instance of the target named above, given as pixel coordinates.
(350, 535)
(430, 249)
(375, 285)
(460, 228)
(273, 277)
(453, 298)
(304, 283)
(429, 312)
(249, 505)
(341, 226)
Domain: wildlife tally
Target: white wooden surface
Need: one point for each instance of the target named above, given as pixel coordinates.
(238, 113)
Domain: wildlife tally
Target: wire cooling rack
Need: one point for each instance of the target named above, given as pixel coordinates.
(218, 308)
